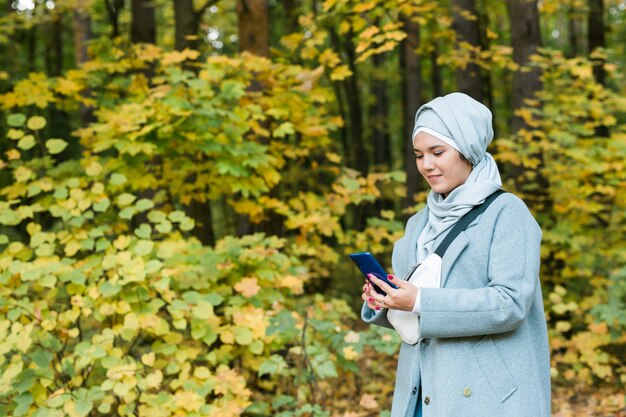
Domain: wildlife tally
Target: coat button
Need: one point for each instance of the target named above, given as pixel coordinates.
(414, 390)
(426, 342)
(467, 392)
(427, 400)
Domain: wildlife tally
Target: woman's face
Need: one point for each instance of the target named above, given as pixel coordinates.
(439, 163)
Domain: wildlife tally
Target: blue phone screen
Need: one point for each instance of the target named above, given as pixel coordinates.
(367, 264)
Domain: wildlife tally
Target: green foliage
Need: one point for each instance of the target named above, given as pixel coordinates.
(581, 208)
(110, 307)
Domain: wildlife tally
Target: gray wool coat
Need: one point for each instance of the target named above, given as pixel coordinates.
(485, 352)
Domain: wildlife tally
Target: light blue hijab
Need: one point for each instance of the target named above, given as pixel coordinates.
(465, 124)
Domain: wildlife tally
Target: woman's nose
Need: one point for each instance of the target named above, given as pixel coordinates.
(427, 162)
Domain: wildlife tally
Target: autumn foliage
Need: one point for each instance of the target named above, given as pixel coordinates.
(181, 250)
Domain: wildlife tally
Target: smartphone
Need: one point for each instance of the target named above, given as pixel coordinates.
(367, 264)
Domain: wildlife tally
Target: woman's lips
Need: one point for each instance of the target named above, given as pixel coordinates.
(433, 178)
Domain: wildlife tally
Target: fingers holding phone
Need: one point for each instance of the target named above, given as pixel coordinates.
(402, 297)
(368, 296)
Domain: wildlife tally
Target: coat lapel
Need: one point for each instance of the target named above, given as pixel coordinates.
(453, 252)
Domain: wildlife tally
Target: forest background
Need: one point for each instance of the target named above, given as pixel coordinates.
(181, 182)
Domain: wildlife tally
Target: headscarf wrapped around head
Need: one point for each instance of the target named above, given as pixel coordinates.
(464, 124)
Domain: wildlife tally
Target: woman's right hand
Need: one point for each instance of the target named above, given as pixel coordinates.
(367, 296)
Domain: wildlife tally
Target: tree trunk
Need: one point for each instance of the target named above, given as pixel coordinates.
(32, 48)
(597, 40)
(82, 34)
(411, 100)
(469, 79)
(143, 25)
(436, 78)
(186, 25)
(573, 32)
(379, 115)
(253, 17)
(354, 103)
(596, 37)
(525, 39)
(114, 7)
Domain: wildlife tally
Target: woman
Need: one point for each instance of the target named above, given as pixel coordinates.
(483, 350)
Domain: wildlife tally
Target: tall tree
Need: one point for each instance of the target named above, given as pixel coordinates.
(596, 37)
(114, 7)
(253, 26)
(597, 40)
(573, 31)
(525, 40)
(465, 23)
(187, 22)
(143, 25)
(379, 114)
(82, 35)
(411, 100)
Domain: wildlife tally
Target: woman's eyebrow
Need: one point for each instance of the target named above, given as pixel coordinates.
(429, 148)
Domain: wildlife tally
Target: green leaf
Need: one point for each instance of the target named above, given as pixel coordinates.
(42, 358)
(257, 347)
(16, 119)
(204, 311)
(101, 205)
(27, 142)
(108, 290)
(125, 199)
(243, 336)
(143, 247)
(36, 123)
(117, 179)
(143, 231)
(186, 224)
(164, 227)
(144, 204)
(56, 146)
(284, 129)
(232, 90)
(176, 216)
(127, 213)
(83, 406)
(274, 365)
(23, 402)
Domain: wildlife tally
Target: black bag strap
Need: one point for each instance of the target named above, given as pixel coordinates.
(465, 221)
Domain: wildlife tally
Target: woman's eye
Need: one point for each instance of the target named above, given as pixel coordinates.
(438, 153)
(419, 156)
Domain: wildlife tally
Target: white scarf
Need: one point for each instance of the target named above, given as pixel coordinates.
(468, 124)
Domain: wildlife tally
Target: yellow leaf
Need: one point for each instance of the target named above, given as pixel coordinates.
(13, 154)
(368, 402)
(329, 58)
(93, 169)
(368, 33)
(248, 287)
(121, 242)
(22, 174)
(340, 73)
(148, 358)
(292, 282)
(352, 337)
(350, 354)
(154, 379)
(176, 57)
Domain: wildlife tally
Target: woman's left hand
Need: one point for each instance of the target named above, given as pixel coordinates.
(402, 298)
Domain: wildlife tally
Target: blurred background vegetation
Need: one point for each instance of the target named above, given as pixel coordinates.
(181, 182)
